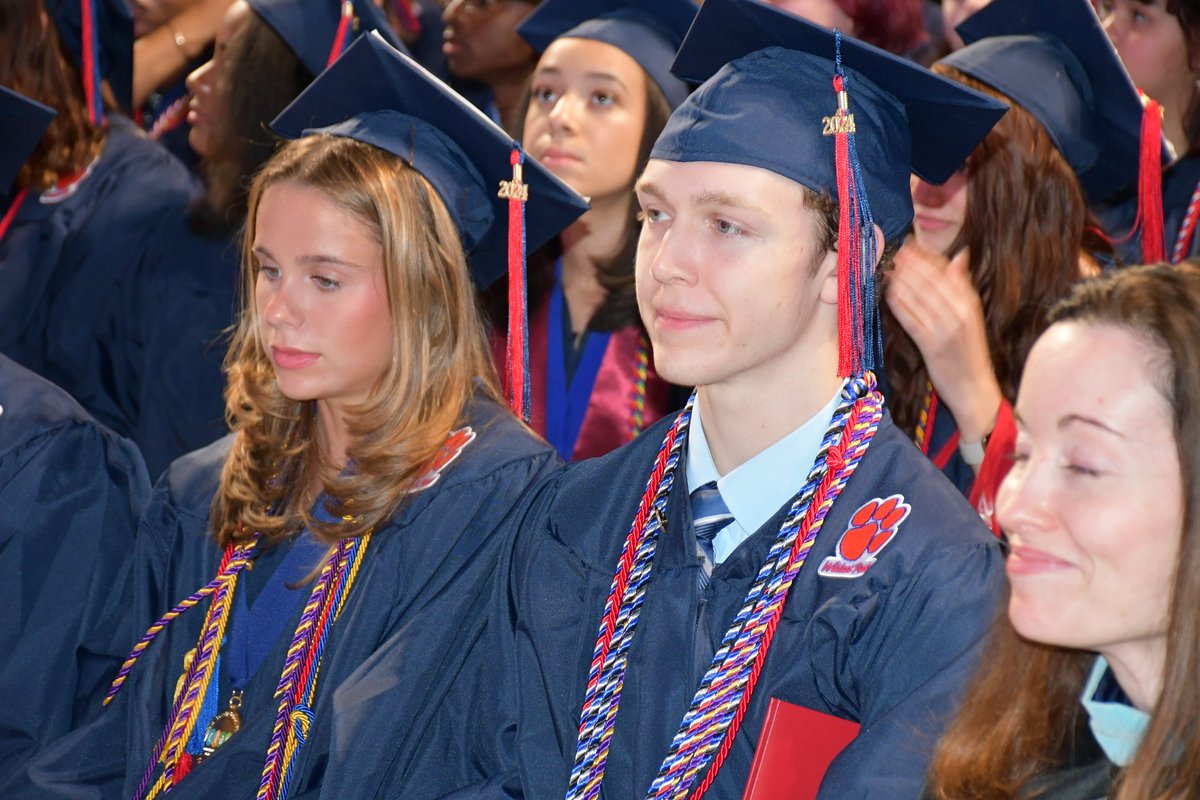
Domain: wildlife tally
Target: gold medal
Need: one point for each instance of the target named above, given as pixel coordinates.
(223, 726)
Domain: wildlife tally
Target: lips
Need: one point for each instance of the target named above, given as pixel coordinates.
(929, 223)
(557, 155)
(1031, 561)
(677, 320)
(289, 358)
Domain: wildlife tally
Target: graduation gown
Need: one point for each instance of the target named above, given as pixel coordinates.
(67, 259)
(70, 496)
(423, 589)
(890, 649)
(166, 350)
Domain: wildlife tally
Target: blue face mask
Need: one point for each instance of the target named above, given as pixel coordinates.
(1117, 726)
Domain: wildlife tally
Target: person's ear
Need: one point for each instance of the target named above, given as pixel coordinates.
(827, 270)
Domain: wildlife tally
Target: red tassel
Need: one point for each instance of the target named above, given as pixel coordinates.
(11, 214)
(339, 39)
(90, 89)
(518, 334)
(1150, 200)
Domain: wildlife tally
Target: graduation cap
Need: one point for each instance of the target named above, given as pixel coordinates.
(382, 97)
(833, 114)
(649, 31)
(98, 36)
(1056, 61)
(22, 123)
(318, 31)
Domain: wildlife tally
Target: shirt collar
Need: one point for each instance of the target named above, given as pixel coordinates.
(754, 490)
(1117, 725)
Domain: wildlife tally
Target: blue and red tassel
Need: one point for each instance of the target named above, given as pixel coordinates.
(859, 336)
(90, 56)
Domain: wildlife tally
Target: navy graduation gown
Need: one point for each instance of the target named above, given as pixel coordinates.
(70, 496)
(167, 348)
(66, 261)
(416, 606)
(890, 649)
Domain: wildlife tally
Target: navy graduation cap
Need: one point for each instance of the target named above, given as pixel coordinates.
(318, 31)
(22, 123)
(1055, 60)
(98, 35)
(649, 31)
(382, 97)
(833, 114)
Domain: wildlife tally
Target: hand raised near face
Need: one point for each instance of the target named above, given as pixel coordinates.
(935, 301)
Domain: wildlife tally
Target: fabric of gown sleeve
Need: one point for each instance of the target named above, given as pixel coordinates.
(70, 496)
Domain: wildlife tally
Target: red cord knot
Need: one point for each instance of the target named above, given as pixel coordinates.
(835, 459)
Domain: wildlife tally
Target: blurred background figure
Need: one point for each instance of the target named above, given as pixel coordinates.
(897, 26)
(1159, 41)
(482, 47)
(70, 496)
(86, 205)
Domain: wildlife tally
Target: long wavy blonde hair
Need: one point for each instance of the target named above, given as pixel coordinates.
(439, 358)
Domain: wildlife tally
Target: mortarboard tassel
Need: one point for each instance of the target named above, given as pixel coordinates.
(858, 329)
(517, 362)
(345, 30)
(408, 20)
(91, 63)
(1150, 199)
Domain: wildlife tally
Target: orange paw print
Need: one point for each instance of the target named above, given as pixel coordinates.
(872, 527)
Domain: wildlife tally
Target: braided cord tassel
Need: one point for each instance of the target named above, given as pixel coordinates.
(91, 62)
(621, 611)
(298, 682)
(844, 460)
(925, 418)
(195, 682)
(719, 694)
(232, 562)
(637, 400)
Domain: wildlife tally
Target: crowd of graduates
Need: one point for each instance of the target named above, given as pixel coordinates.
(600, 398)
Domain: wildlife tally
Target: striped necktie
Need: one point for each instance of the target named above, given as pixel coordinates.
(709, 515)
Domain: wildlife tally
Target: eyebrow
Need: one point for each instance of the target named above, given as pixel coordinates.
(708, 197)
(604, 76)
(312, 258)
(1071, 419)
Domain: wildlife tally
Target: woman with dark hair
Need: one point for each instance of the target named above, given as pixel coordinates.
(995, 246)
(1159, 42)
(599, 96)
(87, 203)
(1089, 687)
(354, 506)
(183, 296)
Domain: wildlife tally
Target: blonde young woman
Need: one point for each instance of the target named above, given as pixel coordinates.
(347, 523)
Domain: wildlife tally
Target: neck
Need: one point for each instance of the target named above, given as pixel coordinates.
(333, 435)
(742, 419)
(1139, 669)
(1174, 110)
(597, 236)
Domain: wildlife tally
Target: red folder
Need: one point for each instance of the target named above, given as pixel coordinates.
(795, 750)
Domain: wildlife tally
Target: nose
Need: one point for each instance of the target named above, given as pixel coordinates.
(1023, 503)
(565, 113)
(200, 79)
(452, 10)
(927, 194)
(276, 305)
(670, 256)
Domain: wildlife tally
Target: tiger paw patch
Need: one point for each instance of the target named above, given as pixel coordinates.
(871, 528)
